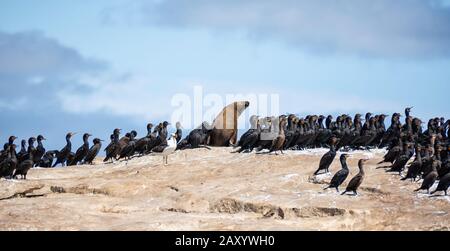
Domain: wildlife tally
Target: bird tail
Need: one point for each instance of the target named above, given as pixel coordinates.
(344, 192)
(434, 191)
(418, 189)
(326, 187)
(381, 162)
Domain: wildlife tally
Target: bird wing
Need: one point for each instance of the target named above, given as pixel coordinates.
(354, 183)
(339, 177)
(79, 151)
(326, 159)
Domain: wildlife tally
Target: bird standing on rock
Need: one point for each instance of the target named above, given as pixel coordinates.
(142, 143)
(8, 165)
(416, 165)
(341, 175)
(113, 148)
(40, 150)
(92, 153)
(24, 166)
(328, 158)
(431, 177)
(23, 150)
(63, 155)
(278, 142)
(356, 181)
(444, 184)
(82, 151)
(47, 159)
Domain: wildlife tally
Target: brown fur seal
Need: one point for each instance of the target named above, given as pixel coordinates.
(225, 125)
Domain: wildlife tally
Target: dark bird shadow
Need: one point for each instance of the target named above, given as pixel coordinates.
(437, 195)
(383, 167)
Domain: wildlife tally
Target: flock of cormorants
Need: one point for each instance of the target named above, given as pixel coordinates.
(403, 141)
(14, 164)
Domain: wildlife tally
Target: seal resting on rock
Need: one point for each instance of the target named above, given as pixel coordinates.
(225, 125)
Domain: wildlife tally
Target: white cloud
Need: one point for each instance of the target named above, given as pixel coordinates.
(380, 28)
(14, 104)
(36, 80)
(130, 97)
(316, 102)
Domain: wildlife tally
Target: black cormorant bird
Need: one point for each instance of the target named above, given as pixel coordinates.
(63, 155)
(163, 134)
(31, 149)
(92, 153)
(113, 148)
(23, 150)
(40, 150)
(47, 159)
(402, 160)
(429, 180)
(393, 153)
(141, 144)
(11, 140)
(408, 111)
(251, 137)
(341, 175)
(290, 133)
(23, 167)
(415, 167)
(81, 151)
(5, 153)
(9, 164)
(444, 184)
(197, 138)
(128, 150)
(153, 139)
(328, 158)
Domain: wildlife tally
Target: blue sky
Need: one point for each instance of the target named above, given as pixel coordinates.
(91, 66)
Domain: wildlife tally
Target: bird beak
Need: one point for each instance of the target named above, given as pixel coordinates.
(74, 133)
